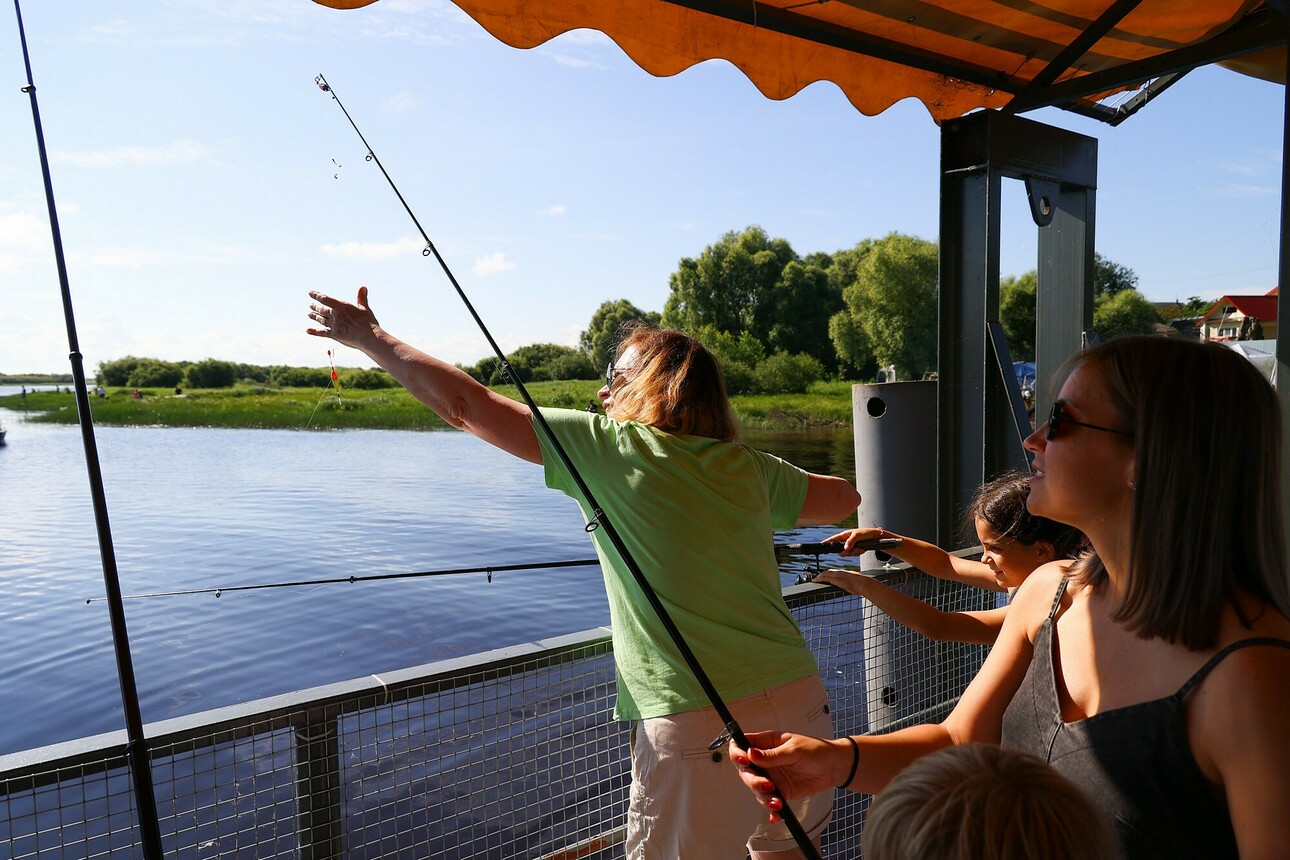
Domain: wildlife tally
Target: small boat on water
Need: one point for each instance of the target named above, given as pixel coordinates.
(2, 432)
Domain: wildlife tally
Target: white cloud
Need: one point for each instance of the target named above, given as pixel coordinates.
(24, 230)
(116, 259)
(1259, 162)
(575, 62)
(557, 209)
(401, 102)
(109, 32)
(374, 250)
(1240, 192)
(178, 152)
(493, 264)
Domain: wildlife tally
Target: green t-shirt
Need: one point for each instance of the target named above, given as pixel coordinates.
(698, 515)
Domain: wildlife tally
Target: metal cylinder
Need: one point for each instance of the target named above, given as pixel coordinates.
(895, 447)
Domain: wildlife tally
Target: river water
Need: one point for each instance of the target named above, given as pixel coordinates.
(201, 508)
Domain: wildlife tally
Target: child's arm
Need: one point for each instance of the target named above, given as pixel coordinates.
(976, 627)
(929, 558)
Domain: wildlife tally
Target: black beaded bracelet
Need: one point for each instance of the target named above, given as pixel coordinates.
(855, 761)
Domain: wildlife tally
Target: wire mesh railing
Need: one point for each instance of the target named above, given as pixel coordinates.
(509, 754)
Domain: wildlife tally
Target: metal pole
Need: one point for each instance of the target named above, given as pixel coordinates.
(136, 746)
(1283, 337)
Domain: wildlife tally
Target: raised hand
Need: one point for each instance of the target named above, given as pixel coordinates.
(350, 324)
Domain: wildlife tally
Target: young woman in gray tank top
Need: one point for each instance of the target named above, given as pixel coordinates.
(1154, 673)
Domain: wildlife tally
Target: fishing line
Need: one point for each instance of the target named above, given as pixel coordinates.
(599, 520)
(335, 381)
(489, 570)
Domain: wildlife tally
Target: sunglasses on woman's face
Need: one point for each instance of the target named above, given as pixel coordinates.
(1058, 417)
(615, 374)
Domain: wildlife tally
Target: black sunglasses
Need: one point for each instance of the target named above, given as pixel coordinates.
(1058, 417)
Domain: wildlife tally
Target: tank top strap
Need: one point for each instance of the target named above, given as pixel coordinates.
(1219, 658)
(1057, 598)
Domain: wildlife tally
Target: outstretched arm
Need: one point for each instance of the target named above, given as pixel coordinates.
(797, 765)
(447, 390)
(927, 557)
(977, 627)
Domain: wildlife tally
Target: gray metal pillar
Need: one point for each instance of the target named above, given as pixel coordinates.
(1283, 336)
(895, 431)
(977, 425)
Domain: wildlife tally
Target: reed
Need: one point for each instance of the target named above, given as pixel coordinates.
(826, 404)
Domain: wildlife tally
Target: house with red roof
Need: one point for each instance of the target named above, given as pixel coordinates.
(1241, 318)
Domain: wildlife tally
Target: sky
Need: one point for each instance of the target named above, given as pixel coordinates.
(204, 184)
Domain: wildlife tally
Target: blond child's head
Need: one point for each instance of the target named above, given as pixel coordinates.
(979, 802)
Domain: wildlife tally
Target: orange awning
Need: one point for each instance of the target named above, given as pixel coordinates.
(952, 55)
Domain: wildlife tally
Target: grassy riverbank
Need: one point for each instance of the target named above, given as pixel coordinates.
(826, 404)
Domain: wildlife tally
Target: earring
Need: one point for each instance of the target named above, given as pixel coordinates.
(1133, 486)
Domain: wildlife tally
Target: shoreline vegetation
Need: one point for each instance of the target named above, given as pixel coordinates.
(825, 405)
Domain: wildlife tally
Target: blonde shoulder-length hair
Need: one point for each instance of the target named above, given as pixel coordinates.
(1207, 485)
(674, 384)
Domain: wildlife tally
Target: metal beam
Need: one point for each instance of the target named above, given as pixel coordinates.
(809, 29)
(1076, 49)
(1263, 31)
(1283, 277)
(977, 416)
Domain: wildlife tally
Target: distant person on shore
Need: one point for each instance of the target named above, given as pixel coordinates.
(983, 802)
(1014, 543)
(697, 509)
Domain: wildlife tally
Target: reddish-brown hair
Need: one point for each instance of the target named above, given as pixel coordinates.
(675, 385)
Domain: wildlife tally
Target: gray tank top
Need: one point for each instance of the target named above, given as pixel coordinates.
(1134, 762)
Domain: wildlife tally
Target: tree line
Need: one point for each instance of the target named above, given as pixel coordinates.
(776, 320)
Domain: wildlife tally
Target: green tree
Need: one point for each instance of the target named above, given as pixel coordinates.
(155, 373)
(1194, 306)
(783, 373)
(543, 361)
(794, 316)
(573, 365)
(1017, 313)
(1124, 312)
(603, 332)
(891, 303)
(211, 373)
(738, 355)
(749, 282)
(299, 377)
(1110, 277)
(368, 379)
(117, 372)
(726, 285)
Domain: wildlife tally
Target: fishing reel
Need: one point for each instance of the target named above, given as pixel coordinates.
(787, 551)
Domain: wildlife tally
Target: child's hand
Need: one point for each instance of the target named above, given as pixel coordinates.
(851, 537)
(848, 580)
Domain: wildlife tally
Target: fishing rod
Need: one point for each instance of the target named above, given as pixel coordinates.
(599, 520)
(497, 568)
(136, 744)
(783, 551)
